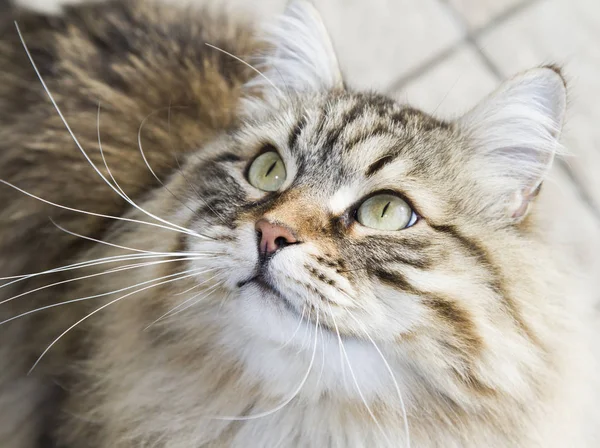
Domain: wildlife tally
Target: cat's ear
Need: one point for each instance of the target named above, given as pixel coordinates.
(300, 56)
(514, 133)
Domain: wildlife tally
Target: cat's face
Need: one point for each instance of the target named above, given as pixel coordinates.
(375, 223)
(332, 209)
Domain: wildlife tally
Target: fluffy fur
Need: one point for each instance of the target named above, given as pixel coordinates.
(167, 327)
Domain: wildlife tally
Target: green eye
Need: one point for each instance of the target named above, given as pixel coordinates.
(386, 212)
(267, 172)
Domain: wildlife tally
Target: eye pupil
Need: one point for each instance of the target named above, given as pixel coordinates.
(385, 209)
(267, 172)
(270, 169)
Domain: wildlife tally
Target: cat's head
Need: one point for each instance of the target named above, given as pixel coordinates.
(397, 234)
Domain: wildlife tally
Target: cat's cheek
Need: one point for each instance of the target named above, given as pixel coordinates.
(385, 313)
(404, 312)
(231, 259)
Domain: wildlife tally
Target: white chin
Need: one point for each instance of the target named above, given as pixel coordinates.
(269, 318)
(278, 348)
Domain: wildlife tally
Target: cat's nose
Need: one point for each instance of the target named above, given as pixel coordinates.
(273, 236)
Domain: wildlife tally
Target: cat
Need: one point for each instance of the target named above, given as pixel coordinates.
(201, 251)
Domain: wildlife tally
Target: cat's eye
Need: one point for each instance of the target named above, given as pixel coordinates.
(386, 212)
(267, 172)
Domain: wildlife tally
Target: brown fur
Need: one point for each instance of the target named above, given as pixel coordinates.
(88, 64)
(494, 342)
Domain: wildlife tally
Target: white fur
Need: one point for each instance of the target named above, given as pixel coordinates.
(301, 58)
(516, 131)
(344, 198)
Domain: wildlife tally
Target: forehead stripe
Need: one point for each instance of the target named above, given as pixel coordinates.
(379, 164)
(349, 117)
(296, 131)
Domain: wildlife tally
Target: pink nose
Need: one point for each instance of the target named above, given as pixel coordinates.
(273, 237)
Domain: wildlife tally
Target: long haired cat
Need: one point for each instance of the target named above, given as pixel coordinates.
(200, 252)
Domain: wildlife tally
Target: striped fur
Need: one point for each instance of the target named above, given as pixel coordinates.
(464, 330)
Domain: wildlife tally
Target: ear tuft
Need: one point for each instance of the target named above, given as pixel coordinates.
(515, 133)
(301, 57)
(558, 70)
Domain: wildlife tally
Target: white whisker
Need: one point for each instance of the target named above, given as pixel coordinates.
(305, 341)
(173, 311)
(389, 369)
(246, 64)
(296, 330)
(109, 271)
(209, 290)
(95, 262)
(294, 394)
(105, 306)
(117, 245)
(173, 227)
(194, 287)
(104, 294)
(174, 154)
(362, 397)
(139, 137)
(85, 212)
(102, 154)
(322, 357)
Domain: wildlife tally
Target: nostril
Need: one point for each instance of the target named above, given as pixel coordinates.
(281, 242)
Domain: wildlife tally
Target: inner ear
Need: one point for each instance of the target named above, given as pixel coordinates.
(522, 201)
(513, 137)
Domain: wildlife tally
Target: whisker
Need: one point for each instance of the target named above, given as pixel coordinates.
(144, 158)
(105, 306)
(193, 287)
(117, 245)
(88, 263)
(294, 394)
(173, 311)
(180, 169)
(211, 289)
(362, 397)
(322, 357)
(100, 215)
(139, 139)
(173, 227)
(342, 364)
(102, 153)
(161, 182)
(389, 369)
(109, 271)
(246, 64)
(81, 299)
(23, 276)
(297, 328)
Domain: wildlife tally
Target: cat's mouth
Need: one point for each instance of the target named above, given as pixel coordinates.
(261, 280)
(263, 283)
